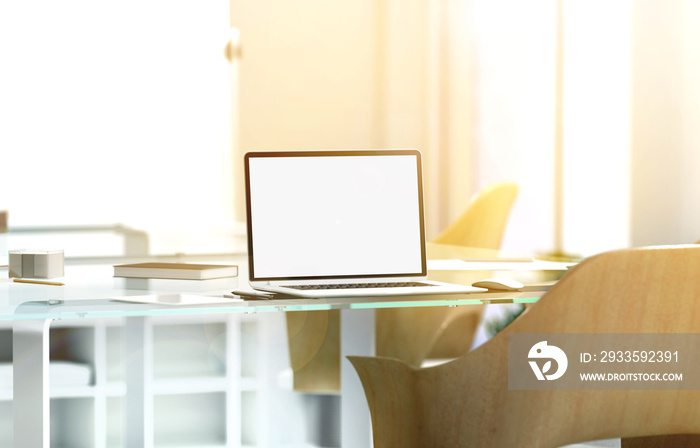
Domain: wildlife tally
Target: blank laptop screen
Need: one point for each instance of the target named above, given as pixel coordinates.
(342, 214)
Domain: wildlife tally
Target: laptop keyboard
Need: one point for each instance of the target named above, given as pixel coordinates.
(359, 285)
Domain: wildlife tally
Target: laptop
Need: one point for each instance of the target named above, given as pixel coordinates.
(338, 224)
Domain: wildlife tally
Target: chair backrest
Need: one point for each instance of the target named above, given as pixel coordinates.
(483, 223)
(467, 402)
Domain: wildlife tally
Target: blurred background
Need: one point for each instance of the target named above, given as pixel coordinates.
(137, 112)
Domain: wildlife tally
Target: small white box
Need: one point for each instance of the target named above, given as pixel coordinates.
(36, 263)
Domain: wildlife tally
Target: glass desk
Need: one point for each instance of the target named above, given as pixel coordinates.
(31, 308)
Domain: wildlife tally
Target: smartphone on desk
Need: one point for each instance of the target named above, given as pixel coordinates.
(251, 295)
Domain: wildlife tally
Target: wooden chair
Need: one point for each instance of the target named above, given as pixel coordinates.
(408, 334)
(314, 350)
(665, 441)
(467, 402)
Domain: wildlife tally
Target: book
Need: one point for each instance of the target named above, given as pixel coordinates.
(184, 271)
(179, 285)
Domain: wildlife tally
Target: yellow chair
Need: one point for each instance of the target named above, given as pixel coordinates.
(467, 402)
(409, 334)
(483, 222)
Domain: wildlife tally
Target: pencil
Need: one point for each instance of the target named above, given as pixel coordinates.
(38, 282)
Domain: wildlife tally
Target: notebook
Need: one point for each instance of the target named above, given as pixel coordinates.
(338, 224)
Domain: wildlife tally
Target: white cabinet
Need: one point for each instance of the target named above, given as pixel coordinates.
(215, 383)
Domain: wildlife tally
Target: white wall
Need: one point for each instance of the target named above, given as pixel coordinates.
(690, 213)
(361, 74)
(514, 84)
(308, 78)
(631, 119)
(665, 122)
(469, 82)
(597, 89)
(308, 74)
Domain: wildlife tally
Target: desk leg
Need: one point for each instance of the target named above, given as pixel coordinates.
(138, 345)
(357, 337)
(30, 404)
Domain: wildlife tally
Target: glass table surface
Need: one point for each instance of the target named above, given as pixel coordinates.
(90, 291)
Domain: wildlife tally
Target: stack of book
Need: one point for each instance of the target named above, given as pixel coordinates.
(182, 277)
